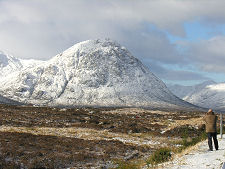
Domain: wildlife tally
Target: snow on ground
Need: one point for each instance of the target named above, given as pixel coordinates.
(200, 157)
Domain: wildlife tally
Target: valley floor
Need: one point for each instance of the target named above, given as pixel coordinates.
(42, 137)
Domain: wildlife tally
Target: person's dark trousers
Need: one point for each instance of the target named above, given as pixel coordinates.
(214, 136)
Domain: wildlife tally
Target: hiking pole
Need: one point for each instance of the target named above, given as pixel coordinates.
(221, 125)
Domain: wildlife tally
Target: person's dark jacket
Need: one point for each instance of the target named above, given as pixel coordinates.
(210, 122)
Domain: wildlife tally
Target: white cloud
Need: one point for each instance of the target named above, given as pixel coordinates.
(209, 55)
(43, 28)
(168, 74)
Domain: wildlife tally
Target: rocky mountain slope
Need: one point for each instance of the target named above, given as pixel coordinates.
(208, 94)
(90, 73)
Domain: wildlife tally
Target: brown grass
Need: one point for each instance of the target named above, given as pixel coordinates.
(41, 137)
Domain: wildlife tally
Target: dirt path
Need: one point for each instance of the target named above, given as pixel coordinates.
(199, 158)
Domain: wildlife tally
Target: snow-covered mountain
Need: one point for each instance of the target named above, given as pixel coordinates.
(8, 64)
(91, 73)
(184, 91)
(208, 94)
(212, 96)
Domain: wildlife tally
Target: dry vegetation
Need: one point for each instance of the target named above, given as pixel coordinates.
(33, 137)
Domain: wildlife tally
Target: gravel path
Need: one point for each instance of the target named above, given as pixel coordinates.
(200, 157)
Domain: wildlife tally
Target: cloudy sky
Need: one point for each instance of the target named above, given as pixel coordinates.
(181, 41)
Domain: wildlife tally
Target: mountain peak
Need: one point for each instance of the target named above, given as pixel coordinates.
(96, 54)
(92, 46)
(96, 43)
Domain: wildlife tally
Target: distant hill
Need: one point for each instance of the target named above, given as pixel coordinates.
(208, 94)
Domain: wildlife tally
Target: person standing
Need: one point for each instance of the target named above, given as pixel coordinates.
(210, 125)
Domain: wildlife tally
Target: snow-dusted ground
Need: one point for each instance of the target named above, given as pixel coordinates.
(200, 157)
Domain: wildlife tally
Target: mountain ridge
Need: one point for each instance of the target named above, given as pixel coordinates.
(182, 91)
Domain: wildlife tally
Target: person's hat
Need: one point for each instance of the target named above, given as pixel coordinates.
(210, 111)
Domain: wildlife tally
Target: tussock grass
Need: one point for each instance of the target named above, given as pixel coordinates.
(127, 165)
(159, 156)
(190, 141)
